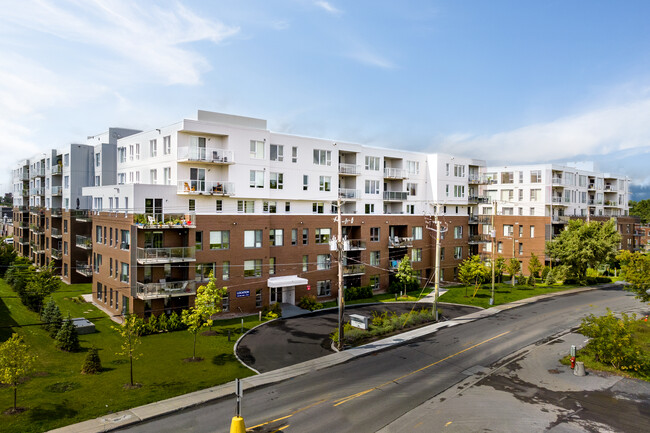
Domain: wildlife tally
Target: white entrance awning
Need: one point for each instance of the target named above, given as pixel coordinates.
(287, 280)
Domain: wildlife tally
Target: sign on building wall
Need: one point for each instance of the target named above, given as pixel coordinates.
(243, 293)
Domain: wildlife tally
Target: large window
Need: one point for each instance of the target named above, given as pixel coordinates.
(374, 258)
(507, 230)
(536, 176)
(458, 232)
(277, 181)
(322, 235)
(413, 167)
(322, 262)
(372, 163)
(270, 207)
(276, 237)
(277, 152)
(459, 191)
(257, 149)
(253, 268)
(324, 287)
(416, 255)
(246, 206)
(124, 275)
(459, 170)
(203, 271)
(322, 157)
(507, 177)
(372, 187)
(318, 207)
(252, 238)
(325, 183)
(417, 233)
(219, 240)
(374, 234)
(458, 253)
(256, 179)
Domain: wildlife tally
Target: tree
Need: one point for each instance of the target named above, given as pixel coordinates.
(41, 284)
(67, 338)
(130, 331)
(635, 268)
(18, 274)
(92, 364)
(206, 304)
(404, 273)
(52, 318)
(473, 271)
(582, 245)
(641, 209)
(7, 257)
(499, 267)
(513, 267)
(15, 362)
(534, 265)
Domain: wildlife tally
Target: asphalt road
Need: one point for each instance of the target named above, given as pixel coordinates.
(285, 342)
(370, 392)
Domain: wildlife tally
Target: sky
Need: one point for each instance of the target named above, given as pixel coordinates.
(506, 81)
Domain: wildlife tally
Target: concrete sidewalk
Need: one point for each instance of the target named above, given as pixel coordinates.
(161, 408)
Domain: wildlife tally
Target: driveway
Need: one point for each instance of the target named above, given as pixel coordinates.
(285, 342)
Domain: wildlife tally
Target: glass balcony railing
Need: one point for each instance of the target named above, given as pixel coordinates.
(395, 195)
(205, 187)
(349, 169)
(357, 269)
(203, 154)
(395, 173)
(84, 242)
(56, 254)
(84, 269)
(348, 193)
(165, 255)
(164, 289)
(56, 232)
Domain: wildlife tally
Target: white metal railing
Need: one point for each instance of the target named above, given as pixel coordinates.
(349, 193)
(349, 168)
(162, 255)
(206, 187)
(353, 244)
(165, 288)
(395, 173)
(206, 154)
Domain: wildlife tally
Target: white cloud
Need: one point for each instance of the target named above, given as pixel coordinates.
(366, 57)
(326, 6)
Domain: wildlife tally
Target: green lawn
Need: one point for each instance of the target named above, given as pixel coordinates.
(503, 293)
(385, 297)
(57, 394)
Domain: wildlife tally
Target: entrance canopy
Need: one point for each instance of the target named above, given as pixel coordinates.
(286, 281)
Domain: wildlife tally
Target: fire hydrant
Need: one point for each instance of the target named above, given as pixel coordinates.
(573, 362)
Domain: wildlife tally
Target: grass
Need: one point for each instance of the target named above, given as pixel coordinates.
(503, 293)
(57, 394)
(412, 296)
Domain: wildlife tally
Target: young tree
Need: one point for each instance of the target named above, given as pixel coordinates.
(15, 362)
(499, 267)
(534, 266)
(582, 245)
(41, 284)
(513, 267)
(52, 318)
(206, 304)
(92, 364)
(18, 274)
(130, 332)
(7, 257)
(635, 268)
(404, 273)
(67, 338)
(473, 271)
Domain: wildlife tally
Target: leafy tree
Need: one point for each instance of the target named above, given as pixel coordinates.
(41, 284)
(473, 271)
(206, 304)
(404, 273)
(52, 318)
(130, 331)
(67, 338)
(18, 274)
(15, 362)
(582, 245)
(499, 267)
(641, 209)
(7, 257)
(92, 364)
(635, 268)
(513, 267)
(534, 265)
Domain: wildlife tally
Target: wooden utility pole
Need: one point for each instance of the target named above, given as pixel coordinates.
(437, 272)
(339, 248)
(493, 234)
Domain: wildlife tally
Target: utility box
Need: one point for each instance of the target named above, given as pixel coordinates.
(359, 321)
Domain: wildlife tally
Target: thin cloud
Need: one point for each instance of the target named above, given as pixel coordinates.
(326, 6)
(371, 59)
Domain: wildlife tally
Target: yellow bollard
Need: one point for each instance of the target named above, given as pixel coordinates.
(237, 425)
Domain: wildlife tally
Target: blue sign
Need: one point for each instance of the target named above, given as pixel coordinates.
(243, 293)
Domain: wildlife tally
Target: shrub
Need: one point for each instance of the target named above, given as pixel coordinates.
(52, 318)
(67, 338)
(550, 278)
(571, 280)
(174, 322)
(151, 327)
(545, 272)
(163, 325)
(310, 303)
(531, 280)
(397, 287)
(272, 312)
(92, 364)
(353, 293)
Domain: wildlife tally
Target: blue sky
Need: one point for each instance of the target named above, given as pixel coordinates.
(507, 81)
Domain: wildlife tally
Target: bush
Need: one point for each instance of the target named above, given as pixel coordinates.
(550, 278)
(310, 303)
(272, 312)
(92, 364)
(353, 293)
(598, 280)
(397, 287)
(67, 338)
(571, 280)
(52, 318)
(174, 322)
(531, 280)
(545, 272)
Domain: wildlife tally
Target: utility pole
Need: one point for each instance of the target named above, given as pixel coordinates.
(339, 248)
(493, 234)
(437, 272)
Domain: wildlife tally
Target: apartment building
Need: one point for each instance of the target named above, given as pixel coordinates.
(533, 203)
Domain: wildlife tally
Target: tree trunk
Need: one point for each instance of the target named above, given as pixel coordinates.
(15, 389)
(131, 360)
(194, 348)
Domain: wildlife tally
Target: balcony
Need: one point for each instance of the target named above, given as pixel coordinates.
(56, 254)
(25, 192)
(165, 255)
(84, 269)
(84, 242)
(557, 181)
(476, 179)
(478, 199)
(592, 186)
(81, 215)
(56, 232)
(349, 169)
(56, 212)
(593, 202)
(350, 270)
(395, 173)
(560, 219)
(400, 242)
(37, 173)
(354, 245)
(611, 204)
(37, 191)
(57, 190)
(610, 188)
(349, 194)
(57, 169)
(164, 289)
(206, 187)
(395, 195)
(480, 219)
(164, 221)
(203, 154)
(479, 239)
(560, 201)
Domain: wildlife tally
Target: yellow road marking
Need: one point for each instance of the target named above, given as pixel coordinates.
(359, 394)
(281, 428)
(447, 423)
(288, 416)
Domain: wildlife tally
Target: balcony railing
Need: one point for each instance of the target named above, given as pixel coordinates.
(203, 154)
(395, 173)
(56, 232)
(395, 195)
(560, 200)
(81, 215)
(84, 269)
(400, 242)
(84, 242)
(610, 188)
(349, 169)
(348, 193)
(169, 288)
(560, 219)
(57, 169)
(480, 219)
(205, 187)
(477, 239)
(478, 199)
(56, 254)
(354, 269)
(37, 173)
(354, 245)
(57, 190)
(160, 220)
(593, 202)
(25, 192)
(37, 191)
(165, 255)
(56, 211)
(475, 179)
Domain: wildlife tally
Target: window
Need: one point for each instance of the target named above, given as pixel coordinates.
(507, 177)
(413, 167)
(459, 191)
(256, 179)
(66, 182)
(137, 150)
(442, 255)
(416, 255)
(110, 236)
(507, 194)
(294, 154)
(98, 234)
(374, 258)
(154, 176)
(372, 187)
(520, 194)
(258, 298)
(276, 237)
(225, 271)
(277, 152)
(125, 239)
(374, 282)
(98, 180)
(191, 205)
(305, 182)
(412, 188)
(318, 207)
(410, 209)
(252, 238)
(536, 176)
(98, 262)
(532, 211)
(219, 240)
(65, 226)
(225, 302)
(458, 253)
(532, 232)
(271, 265)
(253, 268)
(372, 163)
(66, 160)
(167, 175)
(417, 233)
(218, 207)
(507, 230)
(459, 170)
(447, 190)
(294, 236)
(322, 157)
(322, 236)
(153, 148)
(198, 237)
(322, 262)
(270, 207)
(500, 247)
(521, 248)
(374, 234)
(369, 208)
(305, 263)
(131, 152)
(535, 194)
(167, 144)
(257, 149)
(98, 159)
(458, 232)
(246, 206)
(276, 181)
(124, 275)
(287, 206)
(305, 236)
(325, 183)
(521, 231)
(99, 292)
(323, 287)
